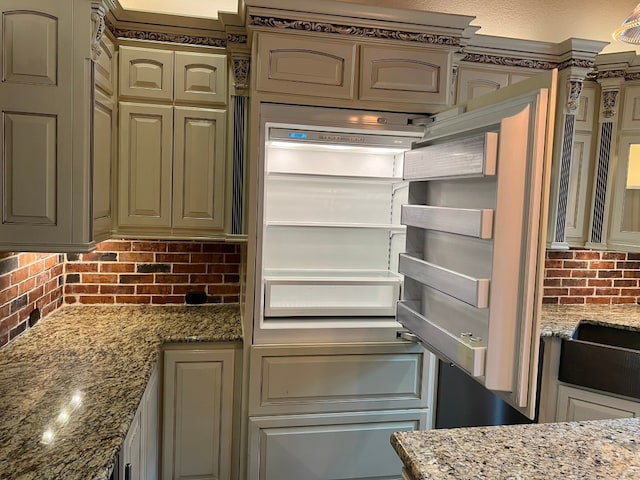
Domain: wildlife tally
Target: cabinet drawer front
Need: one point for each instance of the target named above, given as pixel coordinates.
(314, 447)
(301, 65)
(201, 77)
(338, 378)
(406, 75)
(577, 405)
(146, 73)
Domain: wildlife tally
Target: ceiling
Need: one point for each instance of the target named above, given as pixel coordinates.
(544, 20)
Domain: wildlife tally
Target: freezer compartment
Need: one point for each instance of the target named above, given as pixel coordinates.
(295, 293)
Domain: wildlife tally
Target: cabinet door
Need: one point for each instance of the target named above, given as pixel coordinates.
(318, 447)
(580, 182)
(146, 73)
(150, 429)
(131, 451)
(631, 108)
(36, 118)
(624, 230)
(197, 418)
(200, 77)
(474, 82)
(302, 65)
(404, 74)
(198, 172)
(575, 405)
(104, 118)
(106, 66)
(146, 133)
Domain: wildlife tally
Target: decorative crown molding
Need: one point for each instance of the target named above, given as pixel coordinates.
(352, 30)
(237, 38)
(139, 34)
(508, 61)
(576, 62)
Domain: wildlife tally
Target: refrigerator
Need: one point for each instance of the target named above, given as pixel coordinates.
(378, 226)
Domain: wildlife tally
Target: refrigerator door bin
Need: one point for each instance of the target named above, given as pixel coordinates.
(471, 222)
(335, 294)
(465, 349)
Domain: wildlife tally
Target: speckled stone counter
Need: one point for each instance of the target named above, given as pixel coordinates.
(561, 320)
(608, 449)
(94, 363)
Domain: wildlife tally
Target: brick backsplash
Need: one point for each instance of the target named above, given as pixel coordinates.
(30, 288)
(591, 277)
(153, 272)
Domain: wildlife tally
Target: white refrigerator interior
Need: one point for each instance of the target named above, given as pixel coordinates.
(331, 233)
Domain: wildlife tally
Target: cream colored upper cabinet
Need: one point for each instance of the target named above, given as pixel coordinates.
(304, 65)
(352, 73)
(146, 73)
(200, 78)
(198, 168)
(106, 66)
(146, 143)
(104, 141)
(474, 82)
(46, 108)
(404, 74)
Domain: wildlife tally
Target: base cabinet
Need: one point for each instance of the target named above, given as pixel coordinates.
(140, 450)
(197, 414)
(352, 445)
(576, 404)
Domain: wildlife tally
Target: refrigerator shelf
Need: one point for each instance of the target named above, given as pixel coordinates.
(333, 177)
(382, 226)
(474, 291)
(467, 351)
(470, 222)
(474, 156)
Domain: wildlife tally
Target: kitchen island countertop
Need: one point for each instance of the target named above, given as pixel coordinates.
(94, 362)
(561, 320)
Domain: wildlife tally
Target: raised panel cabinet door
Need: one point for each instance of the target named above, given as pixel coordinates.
(104, 118)
(197, 415)
(318, 447)
(314, 379)
(199, 168)
(146, 73)
(105, 66)
(200, 77)
(150, 429)
(631, 108)
(586, 113)
(404, 75)
(302, 65)
(580, 182)
(474, 82)
(576, 405)
(36, 122)
(131, 453)
(146, 134)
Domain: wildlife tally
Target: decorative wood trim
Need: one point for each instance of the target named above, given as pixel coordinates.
(609, 100)
(505, 61)
(165, 37)
(98, 26)
(574, 89)
(576, 62)
(237, 38)
(352, 30)
(241, 64)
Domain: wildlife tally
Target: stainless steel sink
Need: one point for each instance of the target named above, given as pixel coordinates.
(602, 357)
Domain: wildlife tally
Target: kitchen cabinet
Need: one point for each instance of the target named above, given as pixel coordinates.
(47, 117)
(139, 456)
(582, 167)
(105, 124)
(341, 400)
(577, 404)
(407, 77)
(476, 81)
(198, 411)
(172, 157)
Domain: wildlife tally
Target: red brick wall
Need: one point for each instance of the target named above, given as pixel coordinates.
(590, 277)
(153, 272)
(30, 288)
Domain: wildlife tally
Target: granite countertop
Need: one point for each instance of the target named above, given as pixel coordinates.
(561, 320)
(603, 449)
(93, 362)
(599, 449)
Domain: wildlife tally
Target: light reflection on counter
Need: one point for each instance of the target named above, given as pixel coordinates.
(63, 417)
